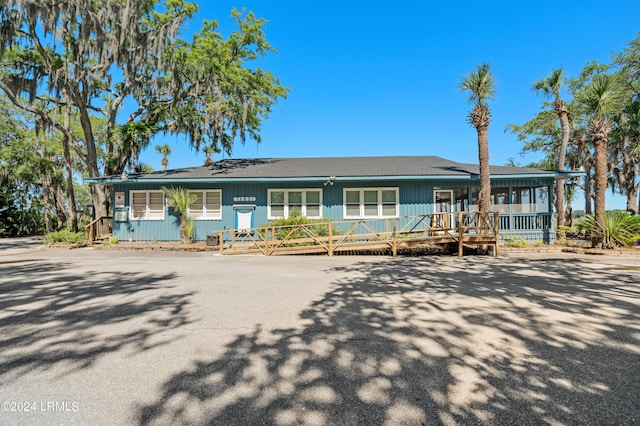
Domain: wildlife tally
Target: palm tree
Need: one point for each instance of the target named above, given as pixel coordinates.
(180, 199)
(481, 86)
(164, 150)
(601, 98)
(624, 148)
(551, 86)
(208, 152)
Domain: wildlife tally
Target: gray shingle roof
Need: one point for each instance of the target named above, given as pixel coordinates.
(394, 166)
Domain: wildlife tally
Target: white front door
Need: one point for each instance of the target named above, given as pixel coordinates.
(244, 219)
(443, 208)
(443, 201)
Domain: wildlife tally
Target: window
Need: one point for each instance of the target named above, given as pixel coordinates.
(531, 199)
(285, 203)
(461, 199)
(207, 205)
(499, 199)
(147, 205)
(370, 202)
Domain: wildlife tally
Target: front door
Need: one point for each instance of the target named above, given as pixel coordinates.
(244, 221)
(443, 208)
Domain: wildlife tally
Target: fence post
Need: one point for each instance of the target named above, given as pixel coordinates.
(330, 252)
(394, 244)
(266, 240)
(221, 242)
(460, 235)
(496, 230)
(272, 232)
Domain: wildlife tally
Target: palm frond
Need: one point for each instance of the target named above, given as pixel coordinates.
(179, 198)
(480, 84)
(163, 149)
(603, 96)
(618, 228)
(551, 84)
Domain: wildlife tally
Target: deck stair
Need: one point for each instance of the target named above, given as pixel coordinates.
(99, 229)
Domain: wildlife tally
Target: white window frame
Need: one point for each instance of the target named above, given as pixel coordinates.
(204, 214)
(380, 204)
(147, 214)
(286, 202)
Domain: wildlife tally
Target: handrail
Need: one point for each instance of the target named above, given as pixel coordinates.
(96, 225)
(328, 237)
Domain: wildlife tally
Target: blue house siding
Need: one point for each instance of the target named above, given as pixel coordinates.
(416, 197)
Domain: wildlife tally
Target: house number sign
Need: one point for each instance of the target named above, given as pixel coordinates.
(244, 199)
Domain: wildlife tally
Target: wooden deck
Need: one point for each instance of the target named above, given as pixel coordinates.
(393, 234)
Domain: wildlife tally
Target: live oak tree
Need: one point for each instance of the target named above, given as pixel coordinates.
(97, 56)
(481, 88)
(31, 179)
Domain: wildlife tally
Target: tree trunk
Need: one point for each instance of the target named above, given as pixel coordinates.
(165, 163)
(564, 124)
(48, 220)
(46, 194)
(99, 193)
(61, 214)
(183, 228)
(560, 204)
(101, 197)
(71, 195)
(633, 206)
(587, 188)
(600, 189)
(485, 172)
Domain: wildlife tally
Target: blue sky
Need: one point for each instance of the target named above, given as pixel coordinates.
(382, 78)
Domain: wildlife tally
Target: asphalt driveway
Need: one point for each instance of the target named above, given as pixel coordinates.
(118, 337)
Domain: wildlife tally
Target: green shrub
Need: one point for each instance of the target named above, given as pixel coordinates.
(65, 236)
(619, 228)
(512, 240)
(285, 228)
(110, 241)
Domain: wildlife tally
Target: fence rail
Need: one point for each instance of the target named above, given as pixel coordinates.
(99, 228)
(462, 228)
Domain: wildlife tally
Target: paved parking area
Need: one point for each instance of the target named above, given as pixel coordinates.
(123, 337)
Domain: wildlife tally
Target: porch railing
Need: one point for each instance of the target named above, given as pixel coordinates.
(525, 221)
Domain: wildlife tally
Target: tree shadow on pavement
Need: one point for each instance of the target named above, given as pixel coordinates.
(435, 340)
(51, 315)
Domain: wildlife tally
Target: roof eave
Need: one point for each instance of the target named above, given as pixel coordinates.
(470, 176)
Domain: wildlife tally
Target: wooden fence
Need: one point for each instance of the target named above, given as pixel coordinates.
(461, 228)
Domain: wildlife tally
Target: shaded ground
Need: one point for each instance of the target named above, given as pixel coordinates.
(199, 339)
